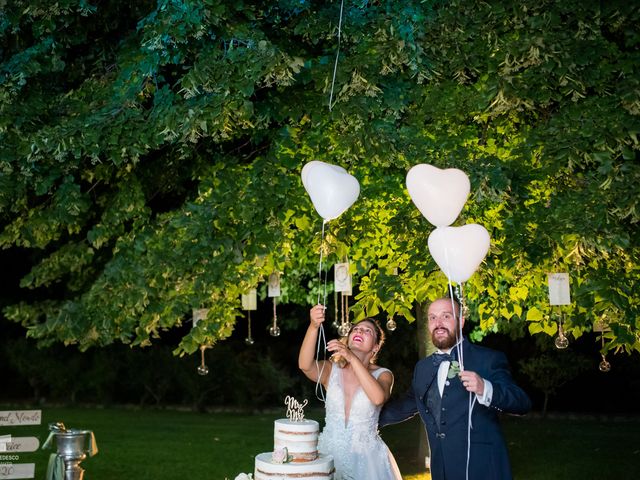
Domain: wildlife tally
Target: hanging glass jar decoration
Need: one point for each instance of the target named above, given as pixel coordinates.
(274, 329)
(391, 324)
(202, 368)
(561, 342)
(249, 340)
(604, 365)
(249, 303)
(273, 291)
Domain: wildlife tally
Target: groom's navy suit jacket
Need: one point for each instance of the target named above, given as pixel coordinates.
(446, 417)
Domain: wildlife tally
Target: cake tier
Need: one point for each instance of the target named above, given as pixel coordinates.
(319, 469)
(300, 438)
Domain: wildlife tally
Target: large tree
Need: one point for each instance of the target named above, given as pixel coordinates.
(150, 157)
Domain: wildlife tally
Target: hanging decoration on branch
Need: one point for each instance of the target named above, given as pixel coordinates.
(342, 282)
(202, 368)
(559, 294)
(602, 326)
(198, 314)
(561, 342)
(336, 315)
(249, 303)
(273, 291)
(559, 291)
(604, 366)
(391, 324)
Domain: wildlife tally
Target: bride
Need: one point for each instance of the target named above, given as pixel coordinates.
(356, 390)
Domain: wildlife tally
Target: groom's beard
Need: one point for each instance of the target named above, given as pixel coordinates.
(444, 343)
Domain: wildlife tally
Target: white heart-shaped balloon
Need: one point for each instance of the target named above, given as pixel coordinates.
(307, 168)
(438, 194)
(459, 251)
(331, 188)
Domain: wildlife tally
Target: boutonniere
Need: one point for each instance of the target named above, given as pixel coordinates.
(454, 369)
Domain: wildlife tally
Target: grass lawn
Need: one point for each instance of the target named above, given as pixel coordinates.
(174, 445)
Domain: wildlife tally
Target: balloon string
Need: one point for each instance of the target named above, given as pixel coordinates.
(335, 66)
(324, 222)
(320, 365)
(459, 317)
(472, 402)
(322, 340)
(472, 398)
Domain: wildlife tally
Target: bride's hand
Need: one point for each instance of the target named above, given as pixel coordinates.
(336, 347)
(316, 315)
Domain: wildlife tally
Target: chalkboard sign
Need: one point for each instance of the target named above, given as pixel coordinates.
(12, 447)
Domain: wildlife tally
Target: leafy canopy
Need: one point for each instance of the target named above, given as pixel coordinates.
(150, 155)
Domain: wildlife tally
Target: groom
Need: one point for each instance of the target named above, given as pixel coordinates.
(442, 396)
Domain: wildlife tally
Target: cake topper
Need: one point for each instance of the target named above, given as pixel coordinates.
(295, 409)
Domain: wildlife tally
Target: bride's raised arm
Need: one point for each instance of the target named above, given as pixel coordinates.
(306, 358)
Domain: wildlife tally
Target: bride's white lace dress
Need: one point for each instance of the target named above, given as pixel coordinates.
(357, 449)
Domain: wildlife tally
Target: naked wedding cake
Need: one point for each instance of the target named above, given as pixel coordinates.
(295, 450)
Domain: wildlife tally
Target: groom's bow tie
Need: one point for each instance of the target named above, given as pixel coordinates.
(438, 358)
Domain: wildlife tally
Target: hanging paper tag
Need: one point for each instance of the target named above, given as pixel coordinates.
(274, 285)
(559, 289)
(199, 314)
(250, 300)
(342, 278)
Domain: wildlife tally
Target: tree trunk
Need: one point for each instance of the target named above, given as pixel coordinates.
(425, 347)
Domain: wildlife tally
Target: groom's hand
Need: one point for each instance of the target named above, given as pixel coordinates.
(472, 382)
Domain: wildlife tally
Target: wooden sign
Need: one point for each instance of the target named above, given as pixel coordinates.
(15, 418)
(17, 470)
(19, 444)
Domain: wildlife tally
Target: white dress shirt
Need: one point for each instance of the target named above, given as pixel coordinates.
(443, 371)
